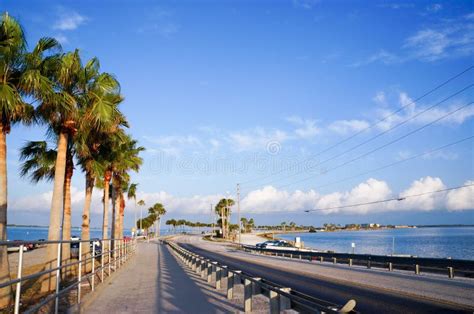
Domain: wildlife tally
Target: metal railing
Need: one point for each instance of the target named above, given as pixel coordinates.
(416, 264)
(280, 298)
(113, 254)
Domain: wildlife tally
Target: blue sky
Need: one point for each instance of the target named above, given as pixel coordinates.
(221, 92)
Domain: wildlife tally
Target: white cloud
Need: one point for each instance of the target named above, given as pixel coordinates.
(461, 199)
(306, 128)
(348, 126)
(411, 109)
(62, 39)
(435, 7)
(257, 138)
(449, 39)
(69, 20)
(382, 56)
(380, 99)
(425, 202)
(305, 4)
(270, 199)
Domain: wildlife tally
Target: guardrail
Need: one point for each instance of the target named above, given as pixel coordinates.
(280, 298)
(416, 264)
(109, 260)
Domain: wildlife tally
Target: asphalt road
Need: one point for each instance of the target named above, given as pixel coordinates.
(368, 300)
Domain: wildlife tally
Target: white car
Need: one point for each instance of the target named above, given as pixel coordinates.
(281, 245)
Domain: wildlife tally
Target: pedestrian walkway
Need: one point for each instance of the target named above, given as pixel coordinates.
(155, 282)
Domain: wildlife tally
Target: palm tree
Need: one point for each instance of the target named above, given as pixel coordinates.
(60, 113)
(19, 75)
(132, 194)
(158, 210)
(223, 209)
(141, 203)
(38, 164)
(126, 159)
(283, 225)
(100, 118)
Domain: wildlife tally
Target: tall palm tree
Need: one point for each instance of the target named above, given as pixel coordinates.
(158, 210)
(19, 75)
(223, 209)
(141, 203)
(39, 161)
(60, 114)
(100, 118)
(132, 194)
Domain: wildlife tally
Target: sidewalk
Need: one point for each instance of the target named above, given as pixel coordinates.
(154, 282)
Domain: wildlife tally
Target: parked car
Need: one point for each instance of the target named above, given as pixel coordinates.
(276, 245)
(264, 245)
(75, 247)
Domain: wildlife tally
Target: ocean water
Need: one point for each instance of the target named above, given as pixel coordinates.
(454, 242)
(36, 233)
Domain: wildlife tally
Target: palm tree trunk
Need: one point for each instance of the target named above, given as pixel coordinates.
(122, 213)
(112, 232)
(117, 215)
(85, 227)
(66, 226)
(55, 214)
(105, 219)
(5, 293)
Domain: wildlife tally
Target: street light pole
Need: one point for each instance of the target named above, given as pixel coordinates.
(238, 211)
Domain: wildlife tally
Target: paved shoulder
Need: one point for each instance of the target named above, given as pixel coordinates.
(154, 282)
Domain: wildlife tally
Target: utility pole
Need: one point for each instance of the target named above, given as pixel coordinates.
(238, 211)
(212, 221)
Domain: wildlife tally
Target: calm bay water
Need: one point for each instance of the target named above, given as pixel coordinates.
(423, 242)
(36, 233)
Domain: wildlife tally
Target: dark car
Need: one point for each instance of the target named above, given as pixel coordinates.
(263, 245)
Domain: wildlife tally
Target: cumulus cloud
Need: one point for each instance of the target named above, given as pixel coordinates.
(257, 138)
(461, 199)
(306, 128)
(425, 202)
(69, 20)
(269, 199)
(412, 109)
(348, 126)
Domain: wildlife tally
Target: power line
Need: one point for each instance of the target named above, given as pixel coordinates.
(376, 136)
(386, 144)
(399, 199)
(398, 162)
(370, 126)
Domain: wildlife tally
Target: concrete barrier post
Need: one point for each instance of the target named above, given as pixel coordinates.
(334, 260)
(193, 264)
(224, 274)
(218, 277)
(203, 269)
(368, 264)
(274, 302)
(247, 295)
(417, 269)
(390, 266)
(256, 288)
(450, 272)
(350, 262)
(209, 272)
(198, 266)
(230, 285)
(285, 303)
(321, 259)
(237, 277)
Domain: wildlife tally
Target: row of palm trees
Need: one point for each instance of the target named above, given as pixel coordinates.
(79, 106)
(153, 219)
